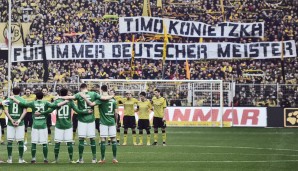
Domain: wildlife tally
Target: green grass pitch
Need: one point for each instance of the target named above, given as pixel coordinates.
(188, 149)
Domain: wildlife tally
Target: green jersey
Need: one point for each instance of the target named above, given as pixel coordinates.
(15, 111)
(63, 115)
(82, 105)
(107, 111)
(43, 107)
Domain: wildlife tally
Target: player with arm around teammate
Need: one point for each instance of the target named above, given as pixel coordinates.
(29, 97)
(49, 98)
(63, 127)
(108, 117)
(86, 123)
(39, 133)
(118, 122)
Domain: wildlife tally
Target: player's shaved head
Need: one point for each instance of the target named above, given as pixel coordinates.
(83, 86)
(16, 90)
(63, 92)
(39, 95)
(104, 88)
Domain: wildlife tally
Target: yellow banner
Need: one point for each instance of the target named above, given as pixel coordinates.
(17, 29)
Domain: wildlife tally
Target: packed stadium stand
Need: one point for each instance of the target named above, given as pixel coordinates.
(87, 21)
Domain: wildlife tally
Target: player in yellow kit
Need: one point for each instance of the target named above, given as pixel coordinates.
(144, 108)
(129, 119)
(49, 98)
(2, 119)
(29, 97)
(159, 104)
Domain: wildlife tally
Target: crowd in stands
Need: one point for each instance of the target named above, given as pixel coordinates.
(84, 21)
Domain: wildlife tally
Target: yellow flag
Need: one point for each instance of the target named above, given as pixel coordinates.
(187, 70)
(201, 39)
(132, 54)
(166, 41)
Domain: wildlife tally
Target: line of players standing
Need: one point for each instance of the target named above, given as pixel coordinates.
(144, 108)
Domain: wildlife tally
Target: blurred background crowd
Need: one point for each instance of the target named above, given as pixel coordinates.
(87, 21)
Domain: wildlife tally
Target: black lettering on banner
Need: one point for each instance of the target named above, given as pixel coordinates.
(288, 49)
(30, 57)
(170, 55)
(245, 51)
(202, 49)
(17, 53)
(190, 51)
(211, 31)
(158, 49)
(35, 53)
(139, 50)
(60, 54)
(172, 27)
(265, 45)
(77, 54)
(223, 53)
(275, 49)
(256, 30)
(146, 27)
(148, 46)
(222, 28)
(180, 49)
(243, 31)
(128, 21)
(204, 30)
(254, 50)
(234, 27)
(53, 51)
(182, 28)
(187, 29)
(158, 22)
(116, 49)
(137, 24)
(195, 29)
(88, 51)
(100, 49)
(236, 50)
(125, 50)
(38, 51)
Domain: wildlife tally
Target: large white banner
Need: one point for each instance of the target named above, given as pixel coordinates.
(189, 28)
(149, 50)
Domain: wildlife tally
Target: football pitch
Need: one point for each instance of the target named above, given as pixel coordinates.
(187, 149)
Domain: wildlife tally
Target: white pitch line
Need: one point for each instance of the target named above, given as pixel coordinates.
(255, 148)
(210, 161)
(234, 133)
(223, 147)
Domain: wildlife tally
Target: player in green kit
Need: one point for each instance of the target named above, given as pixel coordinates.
(108, 117)
(39, 133)
(63, 127)
(15, 127)
(86, 123)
